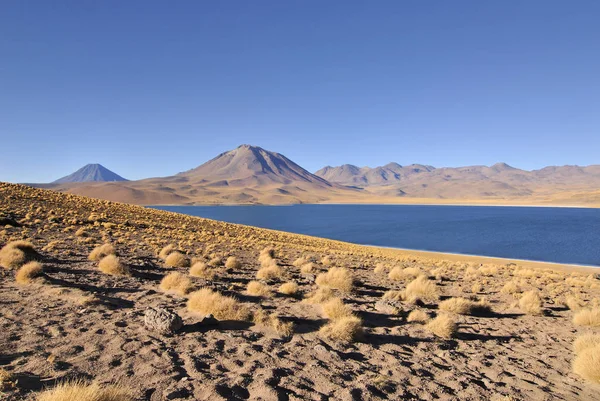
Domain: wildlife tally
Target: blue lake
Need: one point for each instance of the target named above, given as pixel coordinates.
(562, 235)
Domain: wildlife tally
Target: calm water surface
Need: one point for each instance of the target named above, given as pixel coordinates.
(562, 235)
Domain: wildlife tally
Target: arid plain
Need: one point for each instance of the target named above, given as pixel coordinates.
(88, 285)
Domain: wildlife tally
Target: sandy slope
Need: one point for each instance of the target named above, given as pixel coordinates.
(48, 335)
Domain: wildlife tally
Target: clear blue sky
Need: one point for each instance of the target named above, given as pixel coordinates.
(152, 88)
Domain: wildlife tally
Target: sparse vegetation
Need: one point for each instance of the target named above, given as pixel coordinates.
(177, 259)
(417, 316)
(208, 302)
(587, 317)
(80, 391)
(422, 289)
(258, 289)
(337, 278)
(16, 253)
(289, 288)
(464, 306)
(443, 326)
(345, 329)
(233, 263)
(587, 364)
(101, 251)
(586, 341)
(272, 321)
(112, 265)
(28, 272)
(531, 303)
(201, 269)
(176, 283)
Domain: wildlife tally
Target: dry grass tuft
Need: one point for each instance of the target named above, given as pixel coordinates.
(208, 302)
(201, 269)
(418, 316)
(258, 289)
(283, 329)
(111, 265)
(422, 289)
(586, 341)
(393, 295)
(380, 268)
(336, 309)
(510, 288)
(177, 259)
(166, 251)
(587, 317)
(289, 288)
(464, 306)
(346, 329)
(531, 303)
(81, 391)
(320, 295)
(308, 268)
(16, 253)
(587, 364)
(233, 263)
(176, 283)
(28, 272)
(337, 278)
(573, 302)
(6, 380)
(269, 271)
(443, 326)
(101, 251)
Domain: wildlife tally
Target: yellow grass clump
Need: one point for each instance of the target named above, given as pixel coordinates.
(176, 283)
(269, 271)
(573, 302)
(337, 278)
(417, 316)
(201, 269)
(209, 302)
(380, 268)
(283, 329)
(586, 341)
(510, 288)
(394, 295)
(320, 295)
(587, 364)
(422, 289)
(101, 251)
(81, 391)
(266, 256)
(258, 289)
(336, 309)
(17, 253)
(462, 306)
(28, 272)
(166, 251)
(345, 329)
(233, 263)
(308, 268)
(587, 317)
(531, 303)
(443, 326)
(177, 259)
(289, 288)
(111, 265)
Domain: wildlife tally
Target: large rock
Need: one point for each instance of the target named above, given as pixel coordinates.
(162, 321)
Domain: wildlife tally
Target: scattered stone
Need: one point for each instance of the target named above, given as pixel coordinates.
(388, 307)
(162, 321)
(209, 320)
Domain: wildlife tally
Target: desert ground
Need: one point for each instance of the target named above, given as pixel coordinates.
(268, 315)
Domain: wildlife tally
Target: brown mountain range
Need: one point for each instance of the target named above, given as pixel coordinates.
(252, 175)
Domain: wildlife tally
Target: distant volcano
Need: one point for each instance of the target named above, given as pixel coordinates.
(91, 173)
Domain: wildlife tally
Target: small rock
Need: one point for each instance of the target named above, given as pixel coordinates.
(388, 307)
(162, 321)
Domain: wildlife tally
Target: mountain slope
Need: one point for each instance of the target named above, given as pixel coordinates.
(247, 165)
(91, 173)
